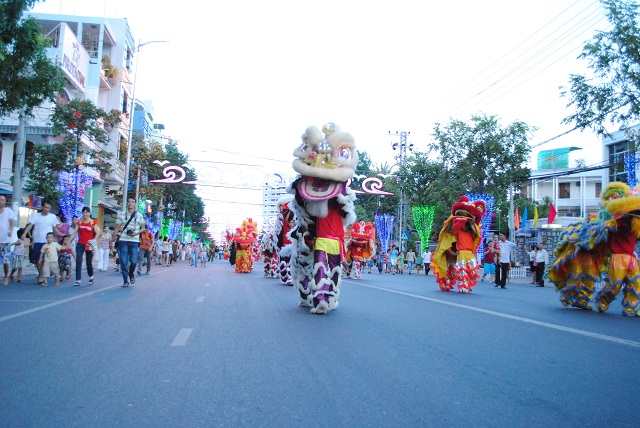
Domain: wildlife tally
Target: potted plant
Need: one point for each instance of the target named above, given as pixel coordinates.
(110, 71)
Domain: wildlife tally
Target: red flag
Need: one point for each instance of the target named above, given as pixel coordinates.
(552, 213)
(516, 221)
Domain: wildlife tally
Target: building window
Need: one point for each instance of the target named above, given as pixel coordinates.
(564, 191)
(598, 189)
(617, 152)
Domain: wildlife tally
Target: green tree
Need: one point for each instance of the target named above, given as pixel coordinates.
(80, 123)
(477, 156)
(27, 76)
(612, 93)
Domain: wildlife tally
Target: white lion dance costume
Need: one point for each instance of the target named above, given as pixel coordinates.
(360, 247)
(323, 206)
(276, 245)
(454, 261)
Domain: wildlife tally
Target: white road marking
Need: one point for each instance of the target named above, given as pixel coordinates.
(59, 302)
(200, 299)
(207, 285)
(182, 337)
(512, 317)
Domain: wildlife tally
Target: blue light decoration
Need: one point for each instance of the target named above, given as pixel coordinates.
(67, 185)
(384, 229)
(630, 162)
(174, 229)
(153, 223)
(488, 216)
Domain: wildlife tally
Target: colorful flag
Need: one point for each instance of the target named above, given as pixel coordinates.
(516, 220)
(535, 215)
(552, 213)
(524, 218)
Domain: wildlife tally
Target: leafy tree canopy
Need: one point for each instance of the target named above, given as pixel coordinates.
(27, 76)
(612, 93)
(478, 156)
(80, 123)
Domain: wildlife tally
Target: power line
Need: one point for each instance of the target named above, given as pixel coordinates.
(495, 84)
(476, 76)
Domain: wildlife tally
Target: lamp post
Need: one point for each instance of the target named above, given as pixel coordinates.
(402, 147)
(129, 143)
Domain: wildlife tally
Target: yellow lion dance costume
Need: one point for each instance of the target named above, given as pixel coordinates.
(602, 249)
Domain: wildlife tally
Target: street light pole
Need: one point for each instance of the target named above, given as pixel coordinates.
(402, 206)
(130, 142)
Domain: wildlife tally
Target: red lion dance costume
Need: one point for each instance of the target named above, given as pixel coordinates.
(360, 247)
(276, 244)
(323, 206)
(244, 238)
(454, 260)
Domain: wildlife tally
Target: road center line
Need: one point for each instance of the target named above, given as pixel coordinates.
(182, 337)
(512, 317)
(200, 299)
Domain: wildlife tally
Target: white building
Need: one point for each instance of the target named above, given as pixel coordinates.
(79, 46)
(270, 197)
(574, 195)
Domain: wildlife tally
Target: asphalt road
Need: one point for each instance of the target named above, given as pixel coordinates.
(205, 347)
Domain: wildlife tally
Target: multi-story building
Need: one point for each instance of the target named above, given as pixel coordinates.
(96, 55)
(270, 197)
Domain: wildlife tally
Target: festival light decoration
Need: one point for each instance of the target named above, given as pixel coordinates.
(67, 185)
(384, 229)
(423, 221)
(630, 162)
(487, 218)
(174, 174)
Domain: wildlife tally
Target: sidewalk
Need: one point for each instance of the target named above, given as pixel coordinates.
(30, 272)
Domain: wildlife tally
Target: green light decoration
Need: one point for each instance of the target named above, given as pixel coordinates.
(423, 221)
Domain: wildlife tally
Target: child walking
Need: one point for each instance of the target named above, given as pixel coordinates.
(66, 253)
(49, 254)
(17, 259)
(203, 258)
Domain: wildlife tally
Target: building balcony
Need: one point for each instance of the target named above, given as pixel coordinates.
(104, 81)
(116, 176)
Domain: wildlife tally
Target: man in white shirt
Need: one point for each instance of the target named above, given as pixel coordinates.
(426, 261)
(542, 258)
(506, 247)
(6, 229)
(42, 223)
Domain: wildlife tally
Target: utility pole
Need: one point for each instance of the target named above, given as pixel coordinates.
(138, 183)
(18, 165)
(401, 157)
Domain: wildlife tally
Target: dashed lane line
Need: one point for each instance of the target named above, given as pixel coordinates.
(182, 337)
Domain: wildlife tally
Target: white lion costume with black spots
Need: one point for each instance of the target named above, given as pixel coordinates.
(276, 244)
(323, 207)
